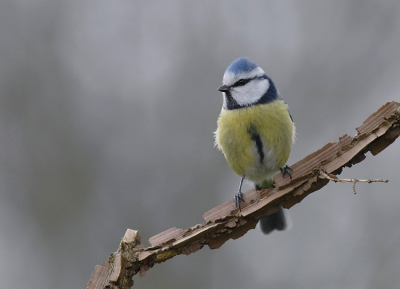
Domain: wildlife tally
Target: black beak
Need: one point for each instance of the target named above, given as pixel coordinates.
(224, 88)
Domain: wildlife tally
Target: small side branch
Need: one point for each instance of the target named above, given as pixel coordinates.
(335, 179)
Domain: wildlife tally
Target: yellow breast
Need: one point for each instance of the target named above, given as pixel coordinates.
(235, 138)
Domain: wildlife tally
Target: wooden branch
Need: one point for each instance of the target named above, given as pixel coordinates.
(226, 222)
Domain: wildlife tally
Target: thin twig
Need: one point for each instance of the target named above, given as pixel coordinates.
(335, 179)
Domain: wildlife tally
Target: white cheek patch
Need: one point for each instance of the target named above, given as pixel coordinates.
(251, 92)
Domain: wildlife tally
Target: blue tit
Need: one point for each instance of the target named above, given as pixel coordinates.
(255, 131)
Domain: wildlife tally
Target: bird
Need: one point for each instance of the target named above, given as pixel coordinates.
(255, 132)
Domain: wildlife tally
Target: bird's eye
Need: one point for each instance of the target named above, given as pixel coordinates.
(241, 82)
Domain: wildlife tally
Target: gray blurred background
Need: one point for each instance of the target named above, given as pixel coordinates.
(107, 113)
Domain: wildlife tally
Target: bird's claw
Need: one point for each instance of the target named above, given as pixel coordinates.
(287, 170)
(238, 197)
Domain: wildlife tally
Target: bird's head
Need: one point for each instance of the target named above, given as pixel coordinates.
(245, 84)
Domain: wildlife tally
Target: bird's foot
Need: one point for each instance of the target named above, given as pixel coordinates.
(238, 197)
(287, 170)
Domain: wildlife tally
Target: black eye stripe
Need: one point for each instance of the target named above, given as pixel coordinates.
(242, 82)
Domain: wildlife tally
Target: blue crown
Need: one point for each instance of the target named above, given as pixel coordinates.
(240, 65)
